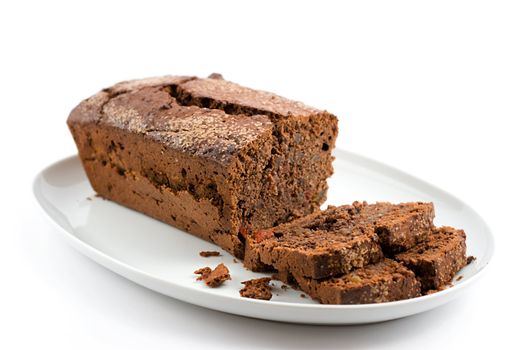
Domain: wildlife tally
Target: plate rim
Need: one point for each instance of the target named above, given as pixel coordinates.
(367, 162)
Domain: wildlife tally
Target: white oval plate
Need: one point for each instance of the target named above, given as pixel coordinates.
(162, 258)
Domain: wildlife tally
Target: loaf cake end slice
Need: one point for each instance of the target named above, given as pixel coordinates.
(205, 155)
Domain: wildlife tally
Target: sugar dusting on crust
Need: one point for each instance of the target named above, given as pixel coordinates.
(126, 118)
(212, 133)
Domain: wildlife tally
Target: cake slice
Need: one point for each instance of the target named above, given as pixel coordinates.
(339, 239)
(384, 281)
(399, 226)
(205, 155)
(436, 260)
(313, 253)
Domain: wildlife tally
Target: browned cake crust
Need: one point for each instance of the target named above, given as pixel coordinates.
(438, 259)
(338, 239)
(384, 281)
(205, 155)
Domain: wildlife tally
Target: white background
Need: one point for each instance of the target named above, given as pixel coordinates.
(434, 88)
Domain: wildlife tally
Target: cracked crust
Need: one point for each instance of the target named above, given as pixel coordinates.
(226, 95)
(147, 107)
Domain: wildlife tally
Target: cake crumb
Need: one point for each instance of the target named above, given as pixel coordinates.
(258, 288)
(432, 291)
(203, 272)
(235, 261)
(208, 253)
(89, 198)
(284, 287)
(303, 295)
(213, 278)
(459, 278)
(470, 259)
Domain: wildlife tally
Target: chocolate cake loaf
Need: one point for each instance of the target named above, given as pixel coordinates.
(384, 281)
(205, 155)
(339, 239)
(436, 260)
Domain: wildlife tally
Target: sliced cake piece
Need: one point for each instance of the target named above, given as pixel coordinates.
(399, 226)
(438, 259)
(384, 281)
(313, 253)
(336, 240)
